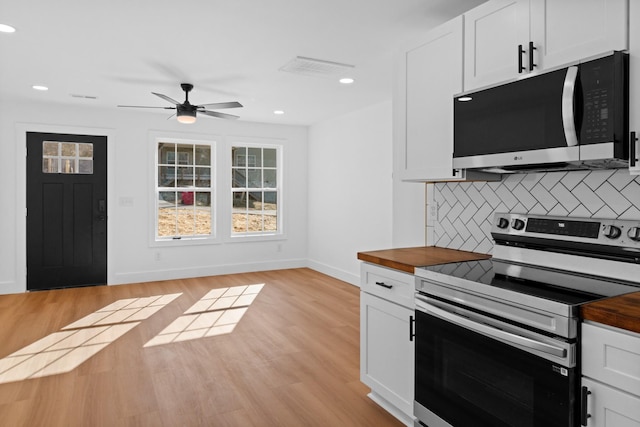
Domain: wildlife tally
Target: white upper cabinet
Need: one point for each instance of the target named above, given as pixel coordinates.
(492, 33)
(427, 75)
(506, 39)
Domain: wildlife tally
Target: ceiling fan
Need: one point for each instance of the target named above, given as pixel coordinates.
(186, 112)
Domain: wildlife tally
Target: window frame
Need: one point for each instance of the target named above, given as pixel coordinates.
(212, 143)
(279, 233)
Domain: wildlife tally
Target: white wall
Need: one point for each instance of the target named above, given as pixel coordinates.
(350, 190)
(132, 258)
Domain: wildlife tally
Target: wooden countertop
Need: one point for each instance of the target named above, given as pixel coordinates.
(406, 259)
(621, 312)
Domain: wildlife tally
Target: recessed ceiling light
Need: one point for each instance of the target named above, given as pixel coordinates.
(346, 81)
(278, 112)
(4, 28)
(39, 87)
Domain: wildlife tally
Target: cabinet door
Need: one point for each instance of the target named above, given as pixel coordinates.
(634, 85)
(570, 30)
(386, 353)
(492, 33)
(609, 407)
(427, 76)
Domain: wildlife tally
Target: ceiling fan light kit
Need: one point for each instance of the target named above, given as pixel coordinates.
(186, 112)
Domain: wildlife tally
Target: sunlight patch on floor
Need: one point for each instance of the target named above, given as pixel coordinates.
(216, 313)
(67, 349)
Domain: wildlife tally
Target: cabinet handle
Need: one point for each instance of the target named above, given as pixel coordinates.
(531, 49)
(633, 139)
(412, 334)
(384, 285)
(521, 67)
(584, 415)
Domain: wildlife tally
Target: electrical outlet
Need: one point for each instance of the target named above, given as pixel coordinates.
(432, 213)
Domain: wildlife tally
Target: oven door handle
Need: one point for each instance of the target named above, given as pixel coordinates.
(488, 330)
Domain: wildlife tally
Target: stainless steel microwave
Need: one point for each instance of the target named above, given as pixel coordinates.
(572, 118)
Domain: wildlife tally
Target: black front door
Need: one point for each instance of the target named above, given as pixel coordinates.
(66, 210)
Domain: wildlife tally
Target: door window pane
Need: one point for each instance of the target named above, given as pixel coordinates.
(67, 157)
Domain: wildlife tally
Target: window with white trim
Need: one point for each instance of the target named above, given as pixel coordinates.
(185, 179)
(256, 190)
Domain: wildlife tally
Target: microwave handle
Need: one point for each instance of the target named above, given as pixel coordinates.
(568, 114)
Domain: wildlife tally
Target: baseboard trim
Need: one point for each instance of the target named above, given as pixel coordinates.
(211, 270)
(337, 273)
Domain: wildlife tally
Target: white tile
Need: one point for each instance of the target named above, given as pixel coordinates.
(620, 179)
(558, 210)
(632, 193)
(468, 213)
(476, 196)
(632, 213)
(587, 198)
(475, 230)
(490, 196)
(551, 179)
(461, 229)
(455, 212)
(485, 211)
(530, 180)
(447, 228)
(506, 197)
(519, 209)
(564, 196)
(512, 180)
(461, 195)
(484, 247)
(443, 211)
(456, 243)
(573, 178)
(616, 201)
(469, 245)
(580, 212)
(596, 178)
(538, 209)
(605, 213)
(446, 194)
(544, 197)
(524, 196)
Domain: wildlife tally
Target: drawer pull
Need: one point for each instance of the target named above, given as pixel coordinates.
(384, 285)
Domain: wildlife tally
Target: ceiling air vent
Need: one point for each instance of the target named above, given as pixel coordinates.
(316, 67)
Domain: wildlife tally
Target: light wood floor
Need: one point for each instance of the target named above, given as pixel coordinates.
(292, 360)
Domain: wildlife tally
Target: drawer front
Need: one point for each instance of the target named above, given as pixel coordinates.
(392, 285)
(611, 356)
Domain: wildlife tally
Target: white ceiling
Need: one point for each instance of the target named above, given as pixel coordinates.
(121, 50)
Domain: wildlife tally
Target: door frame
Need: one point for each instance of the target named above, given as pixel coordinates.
(21, 190)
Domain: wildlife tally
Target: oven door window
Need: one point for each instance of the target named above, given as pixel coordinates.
(468, 379)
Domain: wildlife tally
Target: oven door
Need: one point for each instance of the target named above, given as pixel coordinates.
(471, 378)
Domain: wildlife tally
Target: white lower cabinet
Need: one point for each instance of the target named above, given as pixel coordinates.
(386, 348)
(611, 375)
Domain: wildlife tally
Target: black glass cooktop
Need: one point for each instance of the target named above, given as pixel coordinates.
(542, 283)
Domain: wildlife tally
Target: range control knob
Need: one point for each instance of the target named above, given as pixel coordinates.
(518, 224)
(503, 223)
(634, 234)
(612, 232)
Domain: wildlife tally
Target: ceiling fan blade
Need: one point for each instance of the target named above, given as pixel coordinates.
(171, 116)
(219, 115)
(145, 106)
(219, 105)
(166, 98)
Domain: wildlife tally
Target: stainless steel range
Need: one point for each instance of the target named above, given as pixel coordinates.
(497, 340)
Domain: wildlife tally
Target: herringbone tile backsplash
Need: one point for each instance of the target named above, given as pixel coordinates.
(465, 210)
